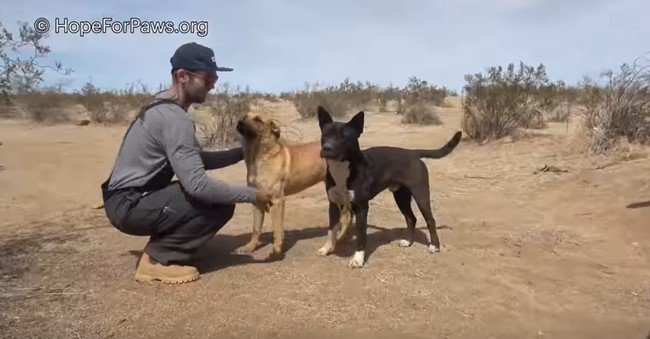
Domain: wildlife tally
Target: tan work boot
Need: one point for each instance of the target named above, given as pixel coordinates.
(150, 270)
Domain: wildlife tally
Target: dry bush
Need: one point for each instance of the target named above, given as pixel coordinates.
(418, 90)
(348, 95)
(417, 101)
(419, 113)
(560, 113)
(387, 95)
(557, 100)
(112, 108)
(46, 107)
(499, 102)
(225, 110)
(358, 95)
(333, 101)
(620, 107)
(342, 98)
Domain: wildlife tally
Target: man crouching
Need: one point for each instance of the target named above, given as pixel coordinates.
(140, 197)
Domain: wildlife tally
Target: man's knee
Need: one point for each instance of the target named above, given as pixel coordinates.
(218, 216)
(230, 209)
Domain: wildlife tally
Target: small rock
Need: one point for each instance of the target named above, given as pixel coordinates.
(84, 122)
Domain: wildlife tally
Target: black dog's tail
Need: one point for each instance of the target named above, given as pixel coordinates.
(442, 151)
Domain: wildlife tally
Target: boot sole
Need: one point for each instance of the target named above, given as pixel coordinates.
(179, 280)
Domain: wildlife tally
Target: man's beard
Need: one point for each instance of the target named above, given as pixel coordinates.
(198, 97)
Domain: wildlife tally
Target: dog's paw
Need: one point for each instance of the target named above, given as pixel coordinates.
(273, 256)
(247, 249)
(404, 243)
(433, 249)
(358, 259)
(325, 250)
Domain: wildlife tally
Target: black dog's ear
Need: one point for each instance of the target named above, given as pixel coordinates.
(357, 122)
(324, 117)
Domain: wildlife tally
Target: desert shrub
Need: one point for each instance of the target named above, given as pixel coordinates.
(557, 101)
(560, 113)
(225, 109)
(548, 97)
(420, 113)
(308, 100)
(418, 90)
(386, 95)
(500, 101)
(417, 101)
(357, 95)
(619, 107)
(47, 106)
(112, 108)
(346, 96)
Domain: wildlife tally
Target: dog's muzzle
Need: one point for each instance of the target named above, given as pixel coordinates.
(327, 152)
(244, 130)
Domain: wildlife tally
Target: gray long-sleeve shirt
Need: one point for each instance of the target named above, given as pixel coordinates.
(167, 133)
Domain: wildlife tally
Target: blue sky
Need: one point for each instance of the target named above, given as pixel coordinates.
(281, 45)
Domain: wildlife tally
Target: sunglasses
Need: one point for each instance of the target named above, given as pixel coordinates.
(207, 79)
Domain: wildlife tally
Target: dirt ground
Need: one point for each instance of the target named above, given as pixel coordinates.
(525, 255)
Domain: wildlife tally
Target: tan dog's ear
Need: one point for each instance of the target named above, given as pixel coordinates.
(275, 129)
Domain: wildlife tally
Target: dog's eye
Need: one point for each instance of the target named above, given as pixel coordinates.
(257, 119)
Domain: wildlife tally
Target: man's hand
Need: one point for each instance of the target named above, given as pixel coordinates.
(264, 200)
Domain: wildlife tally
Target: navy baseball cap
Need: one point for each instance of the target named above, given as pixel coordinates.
(194, 57)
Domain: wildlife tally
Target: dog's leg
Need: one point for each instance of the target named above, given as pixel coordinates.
(345, 221)
(277, 215)
(403, 199)
(421, 196)
(334, 217)
(258, 221)
(361, 215)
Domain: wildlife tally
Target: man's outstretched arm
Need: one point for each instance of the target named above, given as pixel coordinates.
(183, 151)
(219, 159)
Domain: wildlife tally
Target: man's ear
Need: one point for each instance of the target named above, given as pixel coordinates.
(357, 122)
(324, 117)
(181, 75)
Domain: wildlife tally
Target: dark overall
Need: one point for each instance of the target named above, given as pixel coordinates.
(177, 223)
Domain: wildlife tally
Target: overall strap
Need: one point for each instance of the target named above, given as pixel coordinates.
(140, 116)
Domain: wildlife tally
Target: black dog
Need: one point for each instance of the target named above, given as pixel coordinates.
(360, 175)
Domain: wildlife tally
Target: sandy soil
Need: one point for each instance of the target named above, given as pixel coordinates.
(546, 255)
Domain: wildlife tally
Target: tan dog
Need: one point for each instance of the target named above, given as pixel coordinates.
(281, 170)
